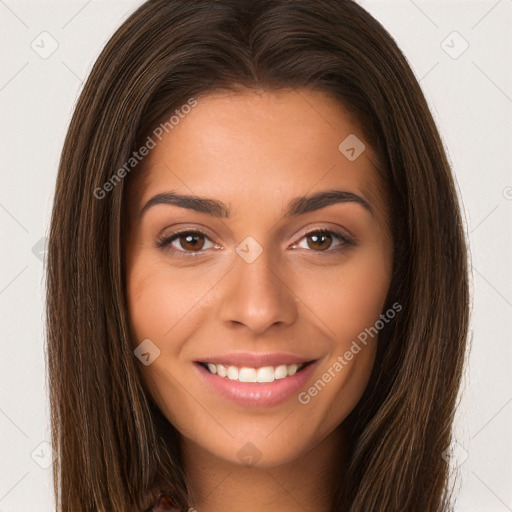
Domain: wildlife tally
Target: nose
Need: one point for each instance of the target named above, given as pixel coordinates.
(256, 295)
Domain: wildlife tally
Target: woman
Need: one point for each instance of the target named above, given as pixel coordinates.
(257, 278)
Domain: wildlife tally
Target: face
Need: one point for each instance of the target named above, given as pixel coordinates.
(249, 301)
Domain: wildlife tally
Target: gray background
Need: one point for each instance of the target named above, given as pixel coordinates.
(470, 93)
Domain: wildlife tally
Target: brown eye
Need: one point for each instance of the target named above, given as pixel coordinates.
(319, 242)
(324, 241)
(191, 241)
(185, 243)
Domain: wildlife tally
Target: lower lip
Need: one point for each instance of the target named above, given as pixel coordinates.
(253, 394)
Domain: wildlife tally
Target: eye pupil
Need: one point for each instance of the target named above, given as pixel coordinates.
(316, 241)
(189, 239)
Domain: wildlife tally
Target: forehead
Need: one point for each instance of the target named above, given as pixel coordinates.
(260, 145)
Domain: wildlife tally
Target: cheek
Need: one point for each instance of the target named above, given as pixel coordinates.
(348, 302)
(347, 298)
(163, 300)
(164, 304)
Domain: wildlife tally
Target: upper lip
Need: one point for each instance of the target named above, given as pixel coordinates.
(255, 359)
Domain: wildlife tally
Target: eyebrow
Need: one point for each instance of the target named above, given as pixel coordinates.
(297, 206)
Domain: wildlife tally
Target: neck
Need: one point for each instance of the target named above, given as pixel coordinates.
(304, 484)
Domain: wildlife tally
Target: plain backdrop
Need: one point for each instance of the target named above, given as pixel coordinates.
(461, 51)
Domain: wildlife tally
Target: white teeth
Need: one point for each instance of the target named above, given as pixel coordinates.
(233, 373)
(246, 375)
(292, 369)
(265, 374)
(281, 372)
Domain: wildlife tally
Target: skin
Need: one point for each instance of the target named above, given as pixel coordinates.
(256, 151)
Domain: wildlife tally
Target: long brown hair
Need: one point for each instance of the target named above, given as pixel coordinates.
(115, 450)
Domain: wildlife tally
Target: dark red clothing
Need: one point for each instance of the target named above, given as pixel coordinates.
(164, 503)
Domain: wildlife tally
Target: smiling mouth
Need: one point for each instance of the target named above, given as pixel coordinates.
(263, 374)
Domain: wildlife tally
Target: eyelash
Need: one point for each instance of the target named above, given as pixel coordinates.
(164, 242)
